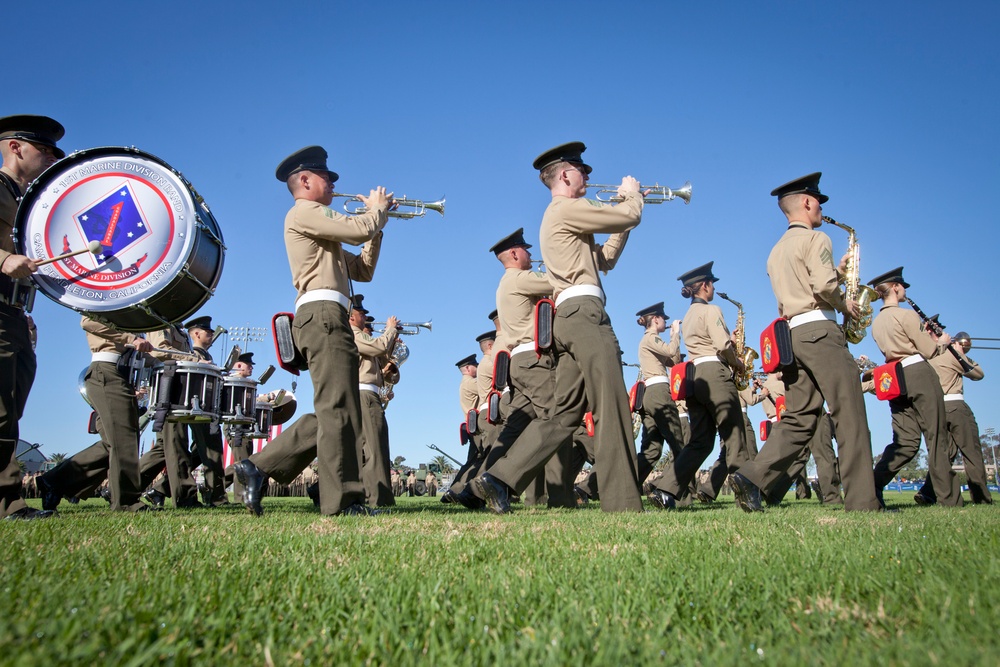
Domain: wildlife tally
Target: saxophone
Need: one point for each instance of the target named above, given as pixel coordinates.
(400, 353)
(746, 354)
(855, 329)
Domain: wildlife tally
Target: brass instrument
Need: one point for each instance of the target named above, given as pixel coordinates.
(406, 328)
(657, 193)
(400, 353)
(865, 364)
(538, 265)
(855, 329)
(746, 354)
(419, 207)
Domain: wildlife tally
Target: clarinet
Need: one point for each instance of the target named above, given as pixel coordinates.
(938, 330)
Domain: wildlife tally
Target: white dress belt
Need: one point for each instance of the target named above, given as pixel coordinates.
(109, 357)
(657, 379)
(323, 295)
(368, 387)
(682, 414)
(954, 397)
(580, 290)
(483, 406)
(812, 316)
(697, 361)
(773, 420)
(523, 347)
(912, 359)
(743, 410)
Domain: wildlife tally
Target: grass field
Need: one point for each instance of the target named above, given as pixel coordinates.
(435, 584)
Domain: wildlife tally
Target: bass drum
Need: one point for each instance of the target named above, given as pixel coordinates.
(161, 251)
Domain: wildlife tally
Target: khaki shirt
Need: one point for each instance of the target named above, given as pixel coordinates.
(950, 371)
(313, 234)
(468, 395)
(571, 255)
(655, 356)
(682, 406)
(484, 375)
(750, 397)
(705, 332)
(777, 389)
(517, 295)
(102, 338)
(374, 353)
(169, 339)
(803, 273)
(898, 334)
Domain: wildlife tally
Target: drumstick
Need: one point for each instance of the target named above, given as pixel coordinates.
(92, 247)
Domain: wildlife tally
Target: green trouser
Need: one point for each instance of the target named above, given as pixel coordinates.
(920, 412)
(86, 469)
(823, 370)
(170, 450)
(720, 471)
(114, 401)
(827, 468)
(377, 461)
(323, 335)
(208, 448)
(660, 422)
(964, 437)
(17, 373)
(713, 408)
(588, 374)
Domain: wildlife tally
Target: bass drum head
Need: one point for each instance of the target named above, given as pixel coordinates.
(161, 251)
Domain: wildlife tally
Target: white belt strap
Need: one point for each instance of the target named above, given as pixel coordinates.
(910, 360)
(580, 290)
(483, 406)
(743, 410)
(323, 295)
(657, 379)
(773, 420)
(368, 387)
(954, 397)
(682, 414)
(109, 357)
(812, 316)
(523, 347)
(697, 361)
(506, 390)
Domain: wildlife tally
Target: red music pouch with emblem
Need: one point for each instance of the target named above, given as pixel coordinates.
(493, 409)
(588, 423)
(289, 357)
(889, 381)
(635, 396)
(765, 429)
(680, 381)
(776, 346)
(472, 422)
(501, 370)
(545, 311)
(779, 407)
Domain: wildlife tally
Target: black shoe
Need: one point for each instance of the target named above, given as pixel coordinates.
(153, 497)
(50, 497)
(704, 498)
(746, 492)
(878, 497)
(662, 500)
(582, 497)
(918, 498)
(468, 499)
(494, 492)
(357, 509)
(106, 494)
(252, 480)
(313, 492)
(449, 497)
(73, 500)
(814, 485)
(29, 514)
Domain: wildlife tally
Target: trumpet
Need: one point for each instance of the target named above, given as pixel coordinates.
(406, 328)
(538, 265)
(657, 193)
(419, 207)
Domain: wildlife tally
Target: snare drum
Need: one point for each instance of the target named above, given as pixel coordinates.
(193, 390)
(238, 400)
(262, 421)
(161, 251)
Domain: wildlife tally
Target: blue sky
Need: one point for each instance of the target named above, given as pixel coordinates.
(895, 102)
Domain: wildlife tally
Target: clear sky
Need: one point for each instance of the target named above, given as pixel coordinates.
(895, 102)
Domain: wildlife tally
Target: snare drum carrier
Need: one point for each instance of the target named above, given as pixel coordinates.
(161, 251)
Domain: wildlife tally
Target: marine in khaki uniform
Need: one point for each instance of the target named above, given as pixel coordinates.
(27, 147)
(805, 284)
(921, 411)
(374, 355)
(321, 273)
(468, 400)
(532, 376)
(587, 353)
(712, 401)
(240, 441)
(962, 426)
(208, 444)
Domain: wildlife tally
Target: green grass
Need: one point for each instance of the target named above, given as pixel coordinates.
(436, 584)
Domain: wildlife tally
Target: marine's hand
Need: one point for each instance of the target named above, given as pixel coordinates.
(19, 266)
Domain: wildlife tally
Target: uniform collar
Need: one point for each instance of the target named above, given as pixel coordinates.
(803, 225)
(698, 299)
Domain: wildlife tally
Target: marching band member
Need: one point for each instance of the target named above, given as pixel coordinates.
(207, 443)
(805, 283)
(921, 410)
(713, 402)
(468, 400)
(321, 273)
(374, 354)
(28, 147)
(962, 427)
(588, 357)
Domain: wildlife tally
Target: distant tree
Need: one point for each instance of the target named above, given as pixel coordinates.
(990, 442)
(57, 458)
(442, 461)
(398, 461)
(915, 469)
